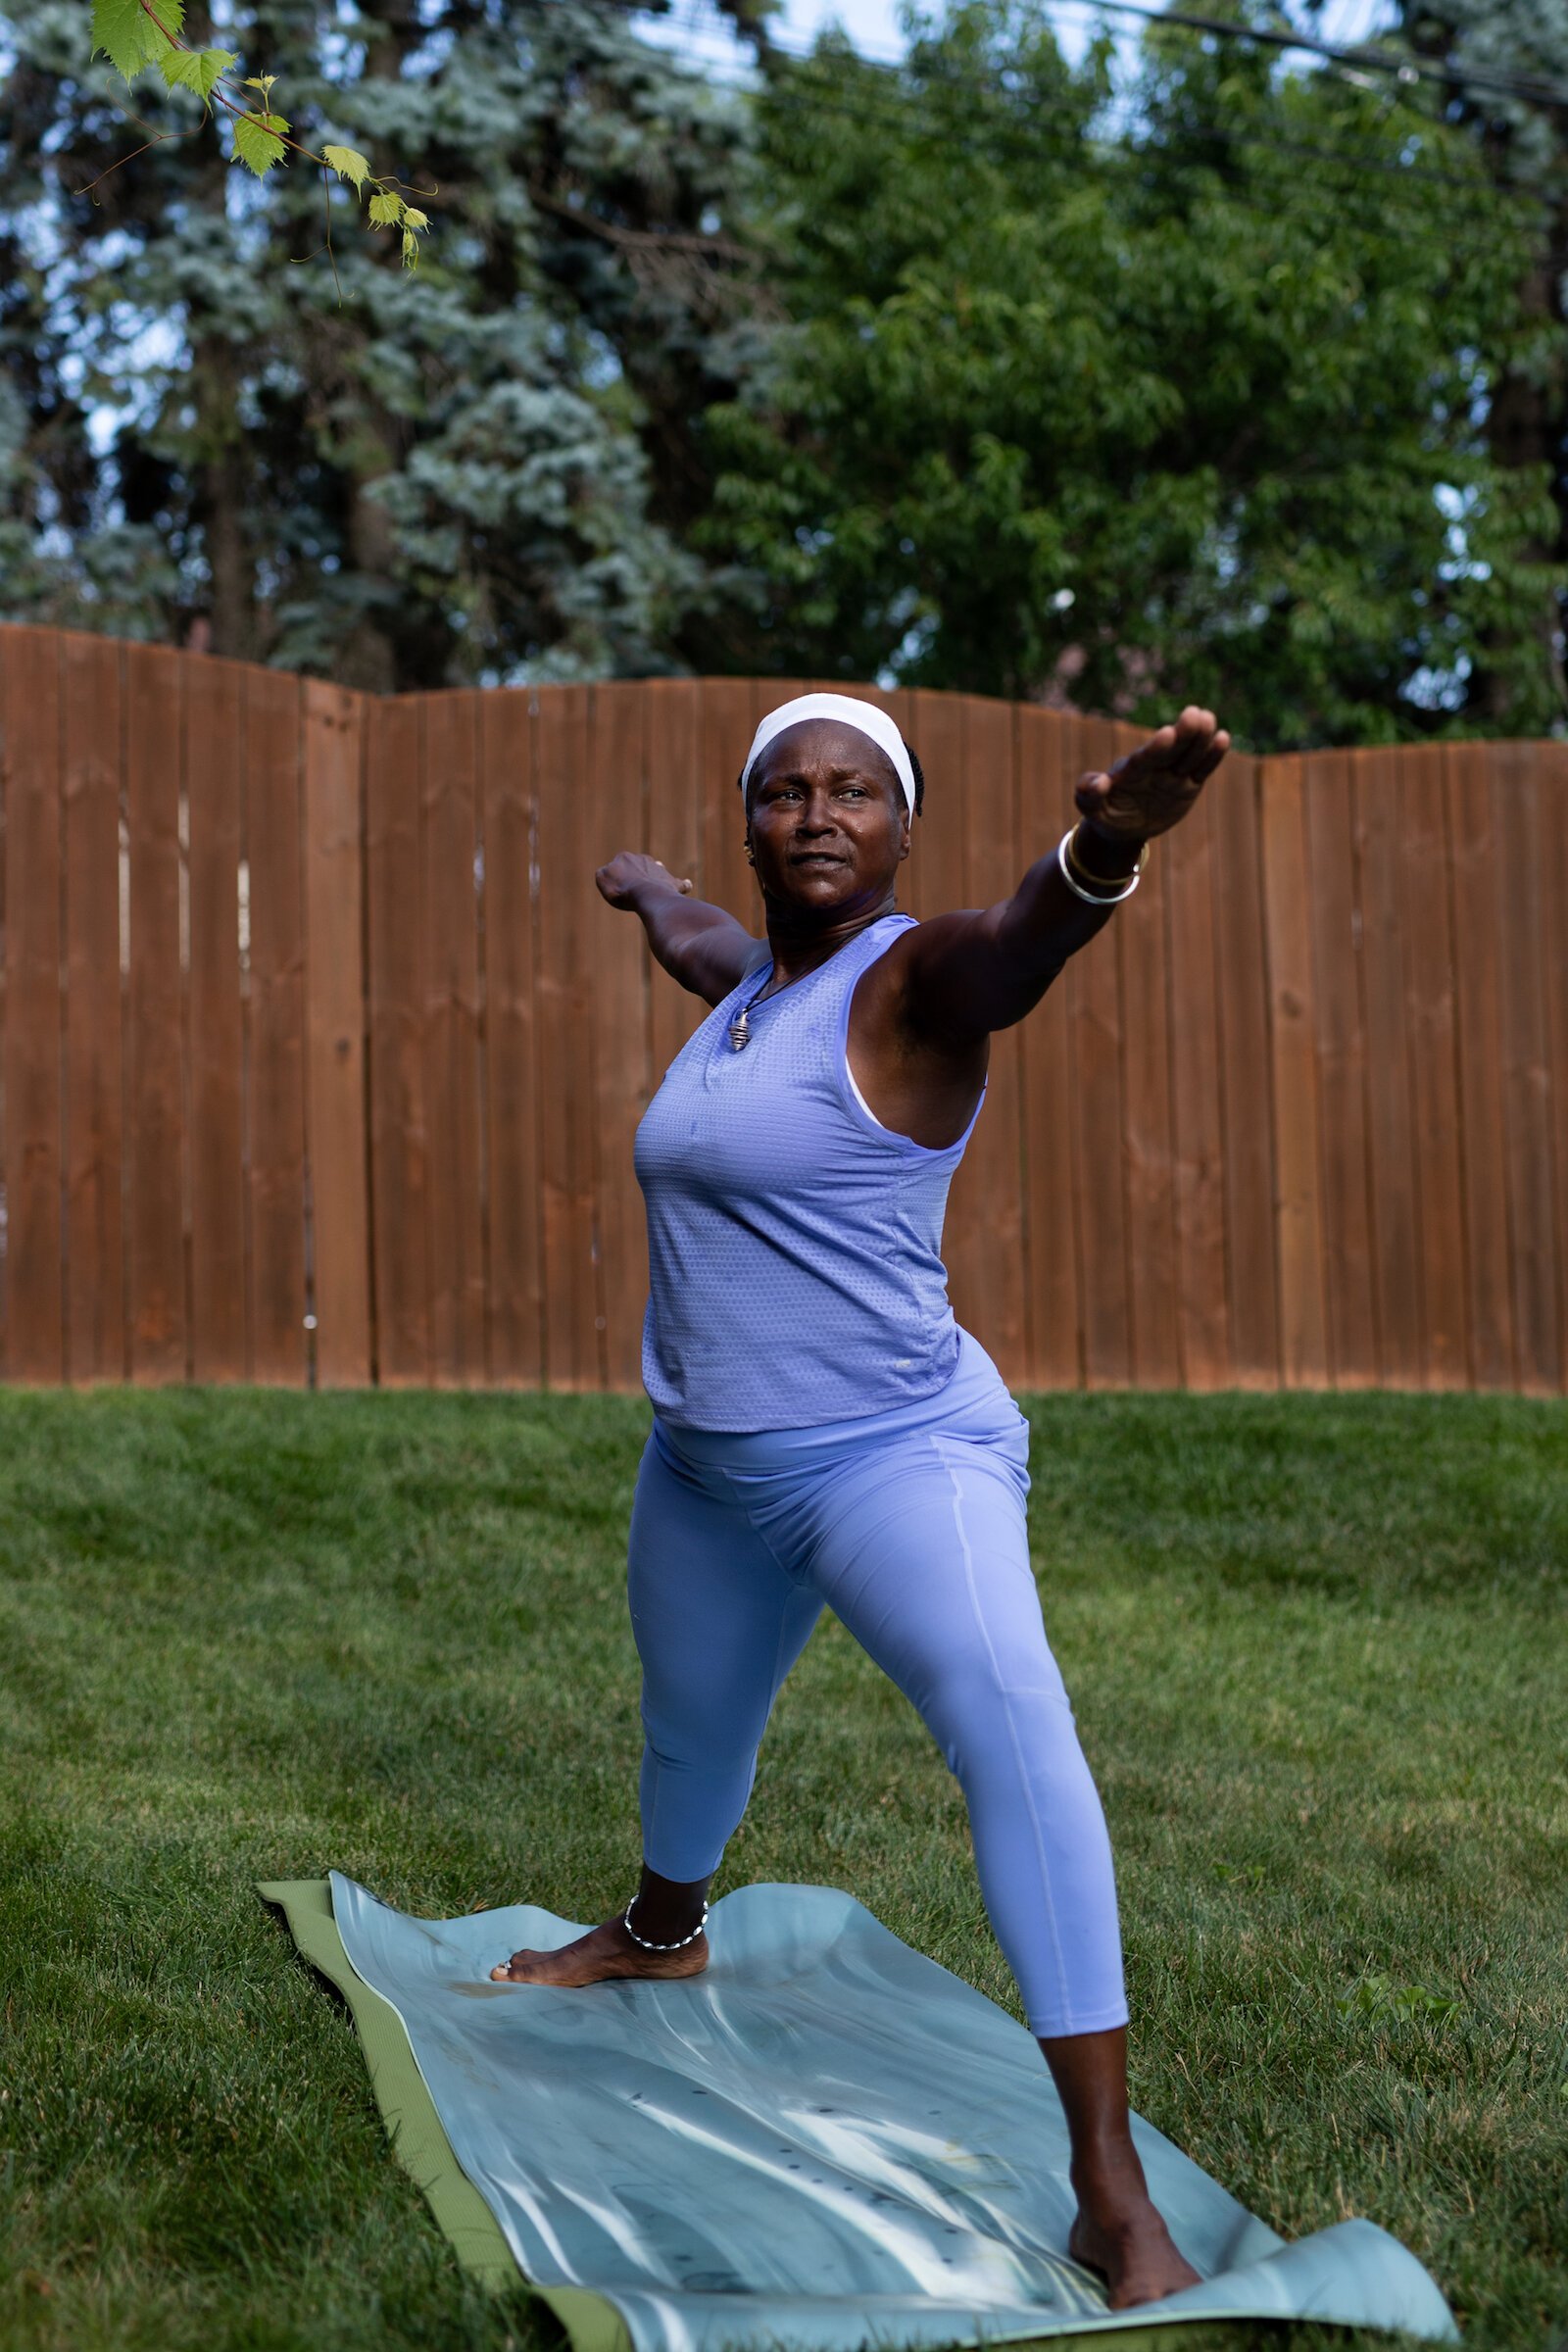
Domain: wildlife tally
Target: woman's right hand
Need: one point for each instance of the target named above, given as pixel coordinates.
(629, 873)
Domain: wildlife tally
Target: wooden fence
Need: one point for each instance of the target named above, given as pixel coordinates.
(321, 1057)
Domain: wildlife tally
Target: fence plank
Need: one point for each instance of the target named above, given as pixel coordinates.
(1242, 969)
(29, 695)
(994, 1162)
(569, 905)
(672, 832)
(154, 1142)
(280, 1342)
(334, 1034)
(1339, 1040)
(450, 963)
(1553, 818)
(92, 722)
(1526, 1079)
(1198, 1142)
(1390, 1126)
(394, 878)
(729, 713)
(1054, 1314)
(511, 1041)
(1094, 998)
(1479, 1039)
(1434, 1080)
(620, 1028)
(1299, 1238)
(214, 694)
(939, 723)
(1143, 946)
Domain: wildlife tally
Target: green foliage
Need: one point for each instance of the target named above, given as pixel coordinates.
(1187, 407)
(132, 35)
(259, 142)
(198, 69)
(348, 163)
(486, 472)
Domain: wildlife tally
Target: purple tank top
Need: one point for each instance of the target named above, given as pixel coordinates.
(794, 1243)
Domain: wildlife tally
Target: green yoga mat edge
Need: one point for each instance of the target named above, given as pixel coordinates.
(414, 2126)
(421, 2144)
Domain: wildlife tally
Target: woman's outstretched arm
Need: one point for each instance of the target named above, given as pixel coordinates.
(965, 975)
(704, 949)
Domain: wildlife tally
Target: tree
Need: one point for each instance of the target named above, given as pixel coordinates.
(1493, 51)
(486, 469)
(1185, 401)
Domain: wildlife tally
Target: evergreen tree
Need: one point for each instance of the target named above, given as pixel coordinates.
(1183, 401)
(212, 431)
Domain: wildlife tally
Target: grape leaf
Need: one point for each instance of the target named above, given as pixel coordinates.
(125, 34)
(386, 210)
(348, 163)
(411, 250)
(196, 69)
(413, 218)
(256, 143)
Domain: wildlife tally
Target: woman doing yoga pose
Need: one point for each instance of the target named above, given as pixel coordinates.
(824, 1431)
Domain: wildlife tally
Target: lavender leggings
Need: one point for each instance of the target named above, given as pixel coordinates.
(909, 1526)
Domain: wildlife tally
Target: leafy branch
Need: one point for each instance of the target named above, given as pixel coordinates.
(135, 34)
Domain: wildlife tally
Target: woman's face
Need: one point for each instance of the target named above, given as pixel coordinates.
(827, 822)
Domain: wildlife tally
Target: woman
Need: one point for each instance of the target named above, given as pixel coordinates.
(824, 1431)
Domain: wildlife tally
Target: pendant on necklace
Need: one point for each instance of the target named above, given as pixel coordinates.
(740, 1033)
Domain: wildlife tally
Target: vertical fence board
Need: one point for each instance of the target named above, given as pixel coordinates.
(155, 1141)
(394, 881)
(1391, 1128)
(729, 713)
(939, 723)
(996, 1151)
(1298, 1237)
(568, 908)
(1199, 1131)
(30, 698)
(1143, 946)
(1054, 1340)
(1434, 1080)
(95, 1263)
(1093, 997)
(510, 1043)
(620, 1028)
(273, 843)
(1241, 965)
(672, 832)
(450, 963)
(1552, 817)
(1334, 917)
(1526, 1079)
(215, 693)
(334, 1034)
(1488, 1278)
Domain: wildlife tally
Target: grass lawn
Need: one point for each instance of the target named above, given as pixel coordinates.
(1319, 1652)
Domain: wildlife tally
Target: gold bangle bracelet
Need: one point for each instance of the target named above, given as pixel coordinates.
(1085, 873)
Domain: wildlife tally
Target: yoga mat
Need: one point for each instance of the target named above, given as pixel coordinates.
(824, 2143)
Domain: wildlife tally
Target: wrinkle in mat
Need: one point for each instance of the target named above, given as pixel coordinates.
(825, 2142)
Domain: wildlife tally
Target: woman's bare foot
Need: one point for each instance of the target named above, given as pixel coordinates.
(1119, 2233)
(605, 1951)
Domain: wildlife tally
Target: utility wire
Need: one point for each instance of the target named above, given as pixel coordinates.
(1362, 57)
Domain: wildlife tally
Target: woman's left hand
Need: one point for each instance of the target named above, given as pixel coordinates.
(1152, 788)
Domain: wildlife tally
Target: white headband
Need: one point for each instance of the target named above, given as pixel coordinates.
(852, 713)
